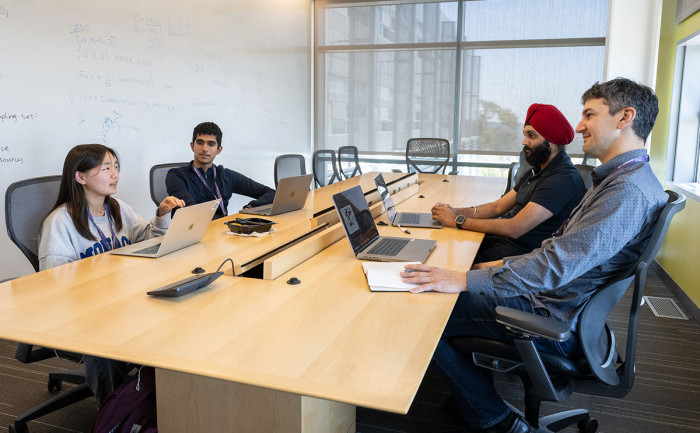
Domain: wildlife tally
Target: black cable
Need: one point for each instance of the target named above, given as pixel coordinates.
(233, 271)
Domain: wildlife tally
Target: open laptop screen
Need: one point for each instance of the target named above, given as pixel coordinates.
(386, 197)
(356, 218)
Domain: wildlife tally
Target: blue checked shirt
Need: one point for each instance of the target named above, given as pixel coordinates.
(603, 238)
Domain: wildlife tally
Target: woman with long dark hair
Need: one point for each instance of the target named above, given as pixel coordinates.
(85, 221)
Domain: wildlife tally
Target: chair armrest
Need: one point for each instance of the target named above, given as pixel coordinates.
(532, 325)
(453, 172)
(396, 170)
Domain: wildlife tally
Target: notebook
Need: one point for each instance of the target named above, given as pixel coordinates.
(363, 235)
(187, 227)
(403, 219)
(291, 195)
(386, 276)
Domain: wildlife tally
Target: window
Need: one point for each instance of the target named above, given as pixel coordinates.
(407, 69)
(683, 159)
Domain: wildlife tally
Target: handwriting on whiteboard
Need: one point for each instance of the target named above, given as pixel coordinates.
(16, 117)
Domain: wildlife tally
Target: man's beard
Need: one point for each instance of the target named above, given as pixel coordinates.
(539, 154)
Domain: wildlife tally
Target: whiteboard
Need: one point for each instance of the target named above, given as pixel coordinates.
(138, 76)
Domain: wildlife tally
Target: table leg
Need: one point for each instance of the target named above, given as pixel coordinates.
(188, 403)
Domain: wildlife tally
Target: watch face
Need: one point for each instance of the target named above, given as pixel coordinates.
(460, 219)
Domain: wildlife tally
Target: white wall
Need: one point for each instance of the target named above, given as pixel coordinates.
(632, 45)
(138, 76)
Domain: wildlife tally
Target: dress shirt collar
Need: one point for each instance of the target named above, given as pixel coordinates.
(206, 174)
(603, 170)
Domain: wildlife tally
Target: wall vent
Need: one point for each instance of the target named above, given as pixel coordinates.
(664, 307)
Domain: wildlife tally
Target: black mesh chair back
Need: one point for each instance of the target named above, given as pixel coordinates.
(157, 180)
(27, 203)
(512, 173)
(348, 162)
(427, 155)
(586, 170)
(289, 165)
(325, 167)
(602, 371)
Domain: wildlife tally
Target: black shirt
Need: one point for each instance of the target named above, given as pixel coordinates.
(558, 187)
(183, 183)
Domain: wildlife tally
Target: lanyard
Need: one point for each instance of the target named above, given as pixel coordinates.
(218, 192)
(103, 239)
(641, 158)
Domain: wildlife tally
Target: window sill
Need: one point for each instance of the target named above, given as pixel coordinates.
(689, 189)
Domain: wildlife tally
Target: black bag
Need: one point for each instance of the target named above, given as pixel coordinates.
(131, 408)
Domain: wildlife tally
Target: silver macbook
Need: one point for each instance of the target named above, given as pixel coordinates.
(187, 227)
(363, 235)
(403, 219)
(291, 195)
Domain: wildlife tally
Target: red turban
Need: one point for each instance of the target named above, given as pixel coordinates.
(548, 121)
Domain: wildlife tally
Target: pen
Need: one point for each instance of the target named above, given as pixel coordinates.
(403, 229)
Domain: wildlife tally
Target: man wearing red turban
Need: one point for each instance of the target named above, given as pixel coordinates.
(538, 204)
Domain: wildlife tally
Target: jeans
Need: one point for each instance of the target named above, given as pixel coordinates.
(104, 376)
(495, 247)
(472, 386)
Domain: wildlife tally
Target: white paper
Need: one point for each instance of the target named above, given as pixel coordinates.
(384, 276)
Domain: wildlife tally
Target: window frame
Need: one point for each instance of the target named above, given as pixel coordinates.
(678, 176)
(458, 45)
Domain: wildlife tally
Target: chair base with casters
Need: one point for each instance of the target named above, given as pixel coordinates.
(65, 399)
(26, 354)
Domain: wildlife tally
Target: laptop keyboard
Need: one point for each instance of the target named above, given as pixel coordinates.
(148, 250)
(388, 246)
(409, 218)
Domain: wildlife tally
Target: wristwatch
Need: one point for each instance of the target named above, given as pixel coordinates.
(460, 220)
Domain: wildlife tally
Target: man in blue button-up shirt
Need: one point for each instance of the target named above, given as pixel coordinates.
(603, 236)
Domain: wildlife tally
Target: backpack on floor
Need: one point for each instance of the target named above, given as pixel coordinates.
(131, 408)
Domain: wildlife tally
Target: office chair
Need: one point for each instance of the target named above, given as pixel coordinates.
(157, 176)
(289, 165)
(512, 173)
(586, 170)
(27, 204)
(427, 155)
(348, 162)
(325, 167)
(602, 371)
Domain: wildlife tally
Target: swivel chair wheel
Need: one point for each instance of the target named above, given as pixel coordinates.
(19, 427)
(588, 425)
(56, 384)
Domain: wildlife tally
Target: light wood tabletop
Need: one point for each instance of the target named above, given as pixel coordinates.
(262, 355)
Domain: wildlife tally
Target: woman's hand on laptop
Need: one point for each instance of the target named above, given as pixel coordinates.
(169, 203)
(435, 279)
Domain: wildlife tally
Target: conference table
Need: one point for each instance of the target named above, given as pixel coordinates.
(250, 352)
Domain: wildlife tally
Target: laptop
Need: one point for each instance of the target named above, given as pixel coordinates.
(403, 219)
(291, 195)
(187, 227)
(363, 235)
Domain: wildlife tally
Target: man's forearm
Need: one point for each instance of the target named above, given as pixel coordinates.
(501, 227)
(488, 210)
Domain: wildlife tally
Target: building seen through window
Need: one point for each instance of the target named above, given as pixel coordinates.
(390, 71)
